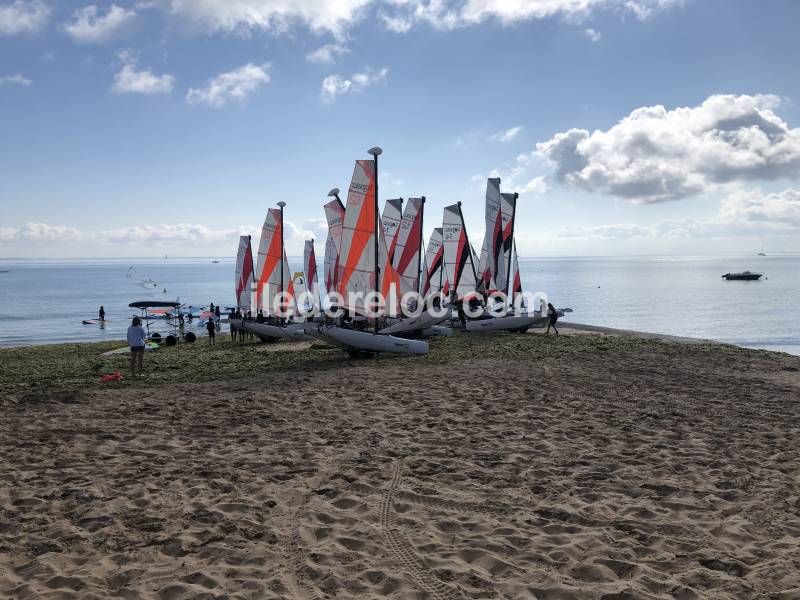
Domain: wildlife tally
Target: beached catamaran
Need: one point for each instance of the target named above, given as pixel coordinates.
(363, 267)
(499, 266)
(243, 280)
(273, 280)
(459, 264)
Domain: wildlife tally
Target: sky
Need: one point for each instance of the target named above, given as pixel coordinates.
(628, 127)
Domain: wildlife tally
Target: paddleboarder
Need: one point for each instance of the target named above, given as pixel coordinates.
(102, 313)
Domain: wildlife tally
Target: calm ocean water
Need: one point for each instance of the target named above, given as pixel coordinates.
(45, 301)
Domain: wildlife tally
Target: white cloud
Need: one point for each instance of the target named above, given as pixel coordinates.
(233, 85)
(402, 15)
(15, 80)
(337, 17)
(23, 17)
(88, 25)
(592, 34)
(655, 154)
(326, 54)
(336, 85)
(778, 210)
(271, 15)
(181, 233)
(537, 185)
(129, 80)
(744, 213)
(506, 135)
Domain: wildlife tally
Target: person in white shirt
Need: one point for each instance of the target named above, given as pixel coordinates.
(136, 342)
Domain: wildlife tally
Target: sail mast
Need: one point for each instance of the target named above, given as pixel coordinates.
(421, 244)
(281, 204)
(376, 152)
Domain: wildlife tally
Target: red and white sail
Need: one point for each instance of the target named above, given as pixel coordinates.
(491, 275)
(458, 261)
(272, 269)
(433, 277)
(310, 270)
(244, 274)
(391, 218)
(334, 214)
(407, 254)
(515, 279)
(508, 206)
(356, 270)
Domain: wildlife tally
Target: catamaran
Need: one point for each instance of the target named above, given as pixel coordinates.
(498, 261)
(406, 255)
(272, 280)
(243, 280)
(362, 267)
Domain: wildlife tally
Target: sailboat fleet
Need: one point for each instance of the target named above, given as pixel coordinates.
(385, 291)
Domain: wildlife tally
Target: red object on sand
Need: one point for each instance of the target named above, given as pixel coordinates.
(115, 376)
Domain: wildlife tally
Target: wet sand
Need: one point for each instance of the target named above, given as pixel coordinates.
(607, 470)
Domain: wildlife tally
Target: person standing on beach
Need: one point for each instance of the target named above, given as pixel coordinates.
(212, 331)
(102, 313)
(136, 344)
(553, 314)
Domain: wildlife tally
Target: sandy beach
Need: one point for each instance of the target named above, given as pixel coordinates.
(531, 467)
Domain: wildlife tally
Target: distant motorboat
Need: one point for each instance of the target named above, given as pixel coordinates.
(762, 253)
(743, 276)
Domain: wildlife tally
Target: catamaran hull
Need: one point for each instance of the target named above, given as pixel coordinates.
(422, 321)
(292, 331)
(505, 323)
(364, 341)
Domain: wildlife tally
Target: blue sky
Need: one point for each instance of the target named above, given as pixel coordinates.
(169, 126)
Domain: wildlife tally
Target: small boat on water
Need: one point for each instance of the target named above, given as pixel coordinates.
(743, 276)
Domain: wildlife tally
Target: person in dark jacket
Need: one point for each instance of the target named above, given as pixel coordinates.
(553, 314)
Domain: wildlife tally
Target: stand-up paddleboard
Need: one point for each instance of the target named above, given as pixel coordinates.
(126, 350)
(364, 341)
(510, 322)
(422, 321)
(95, 322)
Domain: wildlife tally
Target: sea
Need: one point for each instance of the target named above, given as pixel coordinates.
(45, 301)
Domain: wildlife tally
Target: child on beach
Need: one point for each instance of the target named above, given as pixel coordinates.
(212, 331)
(136, 343)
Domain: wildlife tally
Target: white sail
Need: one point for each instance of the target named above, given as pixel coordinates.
(490, 272)
(356, 270)
(310, 270)
(272, 270)
(508, 206)
(244, 274)
(334, 214)
(433, 270)
(408, 246)
(391, 218)
(458, 261)
(516, 280)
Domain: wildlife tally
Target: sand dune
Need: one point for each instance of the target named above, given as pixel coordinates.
(670, 472)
